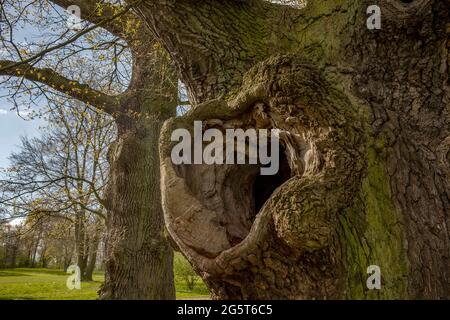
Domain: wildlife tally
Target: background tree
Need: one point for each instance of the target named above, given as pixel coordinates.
(63, 174)
(60, 243)
(9, 239)
(39, 241)
(111, 43)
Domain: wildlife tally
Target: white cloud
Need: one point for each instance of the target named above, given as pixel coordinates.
(24, 113)
(16, 221)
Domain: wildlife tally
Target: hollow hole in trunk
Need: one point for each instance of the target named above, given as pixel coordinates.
(250, 191)
(236, 192)
(264, 186)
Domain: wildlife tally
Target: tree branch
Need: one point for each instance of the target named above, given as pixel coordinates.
(185, 30)
(62, 84)
(96, 11)
(101, 23)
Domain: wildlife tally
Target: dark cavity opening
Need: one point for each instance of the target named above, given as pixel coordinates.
(264, 186)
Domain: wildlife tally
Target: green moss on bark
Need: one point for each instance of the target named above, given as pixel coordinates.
(373, 235)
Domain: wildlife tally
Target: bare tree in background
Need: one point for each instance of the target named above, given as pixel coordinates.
(38, 241)
(63, 174)
(113, 64)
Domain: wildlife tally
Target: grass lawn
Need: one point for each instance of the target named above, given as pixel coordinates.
(50, 284)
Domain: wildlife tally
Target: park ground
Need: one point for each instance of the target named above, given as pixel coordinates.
(50, 284)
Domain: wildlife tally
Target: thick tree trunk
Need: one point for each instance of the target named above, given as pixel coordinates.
(404, 76)
(365, 122)
(292, 250)
(139, 260)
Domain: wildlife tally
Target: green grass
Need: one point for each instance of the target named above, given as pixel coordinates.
(200, 291)
(50, 284)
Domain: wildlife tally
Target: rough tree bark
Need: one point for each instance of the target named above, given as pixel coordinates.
(364, 119)
(139, 261)
(139, 264)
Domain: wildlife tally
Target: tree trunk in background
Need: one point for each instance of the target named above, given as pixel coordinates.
(13, 256)
(67, 258)
(91, 265)
(365, 130)
(44, 260)
(67, 262)
(27, 261)
(35, 248)
(92, 258)
(80, 244)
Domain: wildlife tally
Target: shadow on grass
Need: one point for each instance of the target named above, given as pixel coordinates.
(18, 298)
(30, 272)
(91, 282)
(12, 274)
(55, 272)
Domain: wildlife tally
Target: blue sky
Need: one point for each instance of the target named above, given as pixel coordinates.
(12, 127)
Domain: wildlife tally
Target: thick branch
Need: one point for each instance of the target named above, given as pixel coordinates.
(49, 49)
(96, 11)
(62, 84)
(198, 37)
